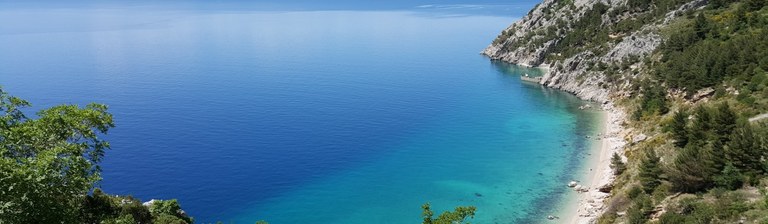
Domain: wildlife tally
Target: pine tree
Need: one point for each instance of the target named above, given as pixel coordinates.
(724, 122)
(700, 131)
(679, 129)
(731, 178)
(715, 4)
(640, 209)
(694, 168)
(617, 165)
(744, 149)
(754, 5)
(701, 27)
(650, 171)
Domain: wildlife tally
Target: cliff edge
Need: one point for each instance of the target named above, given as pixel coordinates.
(590, 48)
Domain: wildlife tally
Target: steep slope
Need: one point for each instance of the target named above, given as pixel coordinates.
(578, 39)
(691, 75)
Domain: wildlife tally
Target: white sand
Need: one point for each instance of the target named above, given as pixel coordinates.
(590, 205)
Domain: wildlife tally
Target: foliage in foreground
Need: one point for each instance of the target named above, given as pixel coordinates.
(48, 166)
(457, 216)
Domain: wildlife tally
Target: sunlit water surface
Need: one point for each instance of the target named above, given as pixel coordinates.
(355, 116)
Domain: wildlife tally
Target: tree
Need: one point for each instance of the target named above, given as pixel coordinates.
(652, 102)
(724, 122)
(640, 4)
(679, 129)
(754, 5)
(103, 208)
(701, 26)
(649, 171)
(715, 4)
(617, 165)
(49, 163)
(744, 149)
(168, 211)
(731, 178)
(700, 130)
(696, 166)
(457, 216)
(640, 209)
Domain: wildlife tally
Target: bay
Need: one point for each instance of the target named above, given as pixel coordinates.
(304, 116)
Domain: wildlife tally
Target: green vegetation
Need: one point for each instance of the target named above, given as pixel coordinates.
(455, 217)
(707, 164)
(652, 102)
(649, 171)
(48, 166)
(704, 162)
(586, 31)
(617, 165)
(103, 208)
(726, 44)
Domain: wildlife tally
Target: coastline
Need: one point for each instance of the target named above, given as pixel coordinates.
(586, 207)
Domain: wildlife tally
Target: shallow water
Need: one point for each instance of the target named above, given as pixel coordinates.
(355, 116)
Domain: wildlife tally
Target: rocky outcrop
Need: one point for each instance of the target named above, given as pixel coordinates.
(600, 72)
(532, 40)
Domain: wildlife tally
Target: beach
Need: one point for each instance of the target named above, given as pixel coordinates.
(586, 207)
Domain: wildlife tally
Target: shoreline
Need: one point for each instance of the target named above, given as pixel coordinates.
(586, 207)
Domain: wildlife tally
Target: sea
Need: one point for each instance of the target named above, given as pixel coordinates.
(305, 111)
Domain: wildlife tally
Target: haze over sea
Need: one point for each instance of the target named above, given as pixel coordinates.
(301, 112)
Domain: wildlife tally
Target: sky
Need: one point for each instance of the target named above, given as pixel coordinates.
(511, 8)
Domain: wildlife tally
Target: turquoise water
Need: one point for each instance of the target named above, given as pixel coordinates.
(353, 116)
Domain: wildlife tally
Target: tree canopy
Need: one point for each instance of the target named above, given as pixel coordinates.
(50, 164)
(457, 216)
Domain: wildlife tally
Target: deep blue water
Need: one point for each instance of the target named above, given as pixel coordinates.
(302, 116)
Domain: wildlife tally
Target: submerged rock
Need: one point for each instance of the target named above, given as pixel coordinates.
(552, 217)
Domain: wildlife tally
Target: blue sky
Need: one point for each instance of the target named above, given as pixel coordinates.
(510, 8)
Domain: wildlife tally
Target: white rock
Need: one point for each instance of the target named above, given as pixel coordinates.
(149, 203)
(639, 138)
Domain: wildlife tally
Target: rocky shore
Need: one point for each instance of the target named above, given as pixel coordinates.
(532, 42)
(591, 199)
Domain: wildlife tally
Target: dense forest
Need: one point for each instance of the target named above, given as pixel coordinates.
(692, 77)
(706, 161)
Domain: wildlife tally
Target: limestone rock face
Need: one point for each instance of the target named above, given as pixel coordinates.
(531, 42)
(599, 72)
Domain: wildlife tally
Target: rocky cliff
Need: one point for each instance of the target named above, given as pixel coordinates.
(591, 48)
(598, 50)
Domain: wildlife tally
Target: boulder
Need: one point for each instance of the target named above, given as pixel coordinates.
(639, 138)
(606, 188)
(148, 203)
(580, 188)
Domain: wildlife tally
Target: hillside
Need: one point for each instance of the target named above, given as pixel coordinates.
(691, 75)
